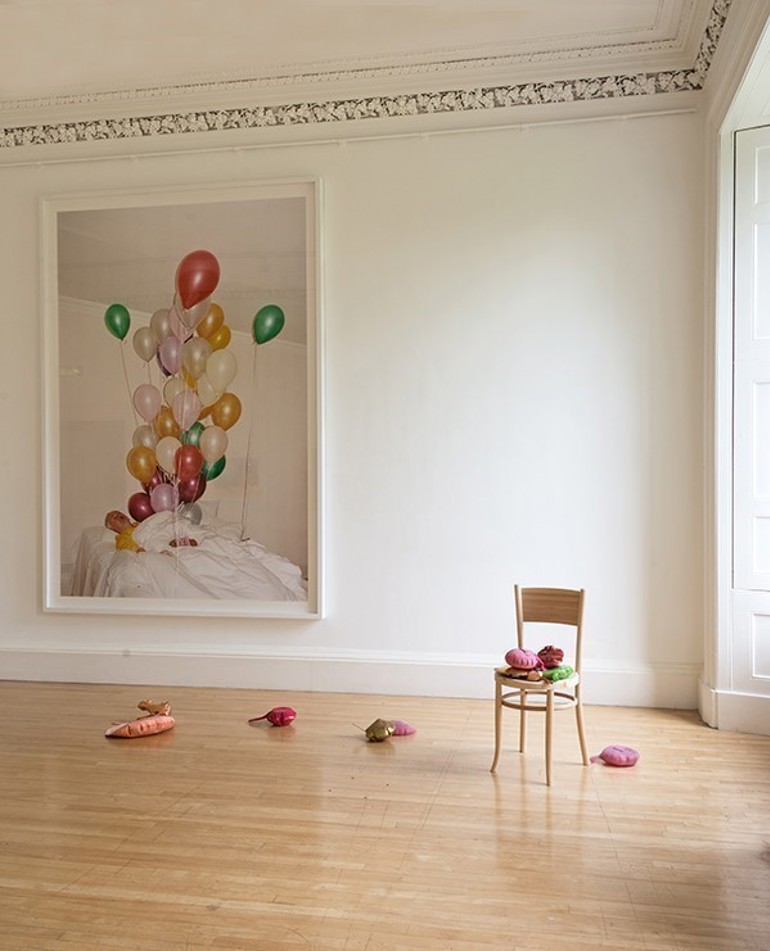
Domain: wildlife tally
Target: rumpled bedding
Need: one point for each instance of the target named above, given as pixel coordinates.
(222, 566)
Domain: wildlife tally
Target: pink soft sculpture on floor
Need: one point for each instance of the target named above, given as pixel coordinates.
(617, 756)
(402, 729)
(278, 716)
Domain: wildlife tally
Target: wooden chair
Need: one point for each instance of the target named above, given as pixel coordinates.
(546, 606)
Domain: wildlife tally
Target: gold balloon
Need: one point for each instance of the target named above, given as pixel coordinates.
(226, 411)
(165, 423)
(189, 379)
(141, 463)
(211, 322)
(379, 730)
(220, 338)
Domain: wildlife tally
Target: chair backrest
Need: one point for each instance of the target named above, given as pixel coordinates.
(551, 606)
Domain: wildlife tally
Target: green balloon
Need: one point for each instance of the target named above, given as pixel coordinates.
(268, 323)
(212, 469)
(192, 436)
(117, 320)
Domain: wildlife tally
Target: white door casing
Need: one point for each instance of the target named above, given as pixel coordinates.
(750, 654)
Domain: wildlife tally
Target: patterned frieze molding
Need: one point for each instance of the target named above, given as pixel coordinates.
(382, 107)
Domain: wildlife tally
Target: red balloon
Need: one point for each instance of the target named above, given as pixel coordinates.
(157, 478)
(196, 277)
(139, 507)
(190, 490)
(188, 462)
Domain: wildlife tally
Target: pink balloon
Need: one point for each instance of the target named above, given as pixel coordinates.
(194, 315)
(176, 321)
(170, 353)
(164, 498)
(147, 401)
(139, 506)
(186, 408)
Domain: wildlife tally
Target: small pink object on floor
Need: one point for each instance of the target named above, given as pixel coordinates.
(617, 756)
(402, 729)
(278, 716)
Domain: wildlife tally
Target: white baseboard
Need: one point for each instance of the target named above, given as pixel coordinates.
(376, 672)
(731, 710)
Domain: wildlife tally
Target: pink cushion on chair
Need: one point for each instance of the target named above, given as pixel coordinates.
(617, 756)
(522, 659)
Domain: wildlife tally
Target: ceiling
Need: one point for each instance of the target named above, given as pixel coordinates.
(69, 51)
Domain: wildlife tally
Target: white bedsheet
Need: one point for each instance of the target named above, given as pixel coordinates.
(220, 567)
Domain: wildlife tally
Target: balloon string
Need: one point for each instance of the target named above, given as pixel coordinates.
(128, 384)
(248, 443)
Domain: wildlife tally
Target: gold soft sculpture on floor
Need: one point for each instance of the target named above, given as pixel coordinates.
(380, 730)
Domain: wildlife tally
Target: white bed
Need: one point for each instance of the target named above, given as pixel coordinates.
(222, 566)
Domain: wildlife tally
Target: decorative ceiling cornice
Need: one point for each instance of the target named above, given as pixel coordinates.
(422, 103)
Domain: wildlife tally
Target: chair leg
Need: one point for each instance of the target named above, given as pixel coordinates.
(522, 722)
(548, 735)
(498, 717)
(581, 730)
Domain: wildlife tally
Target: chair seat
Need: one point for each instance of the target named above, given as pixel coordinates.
(536, 686)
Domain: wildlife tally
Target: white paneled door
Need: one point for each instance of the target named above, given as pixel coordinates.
(750, 653)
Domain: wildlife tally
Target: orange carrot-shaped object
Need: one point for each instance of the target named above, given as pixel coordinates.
(143, 726)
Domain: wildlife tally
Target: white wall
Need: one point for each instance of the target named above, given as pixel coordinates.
(513, 392)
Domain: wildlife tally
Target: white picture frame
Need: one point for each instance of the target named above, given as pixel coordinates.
(119, 247)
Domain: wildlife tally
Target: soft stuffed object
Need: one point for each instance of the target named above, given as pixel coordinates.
(153, 706)
(143, 726)
(551, 656)
(380, 730)
(521, 659)
(402, 729)
(558, 673)
(617, 756)
(278, 716)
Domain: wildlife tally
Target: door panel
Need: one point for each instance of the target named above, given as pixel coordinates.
(750, 653)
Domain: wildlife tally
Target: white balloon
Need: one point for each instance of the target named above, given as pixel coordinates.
(213, 443)
(173, 387)
(160, 324)
(208, 395)
(186, 408)
(221, 368)
(165, 452)
(144, 436)
(195, 353)
(145, 343)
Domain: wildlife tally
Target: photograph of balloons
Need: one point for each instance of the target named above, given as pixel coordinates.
(185, 402)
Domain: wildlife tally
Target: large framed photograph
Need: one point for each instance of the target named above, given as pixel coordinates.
(181, 392)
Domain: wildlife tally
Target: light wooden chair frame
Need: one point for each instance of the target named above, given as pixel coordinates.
(548, 606)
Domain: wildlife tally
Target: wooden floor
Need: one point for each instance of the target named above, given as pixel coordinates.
(223, 835)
